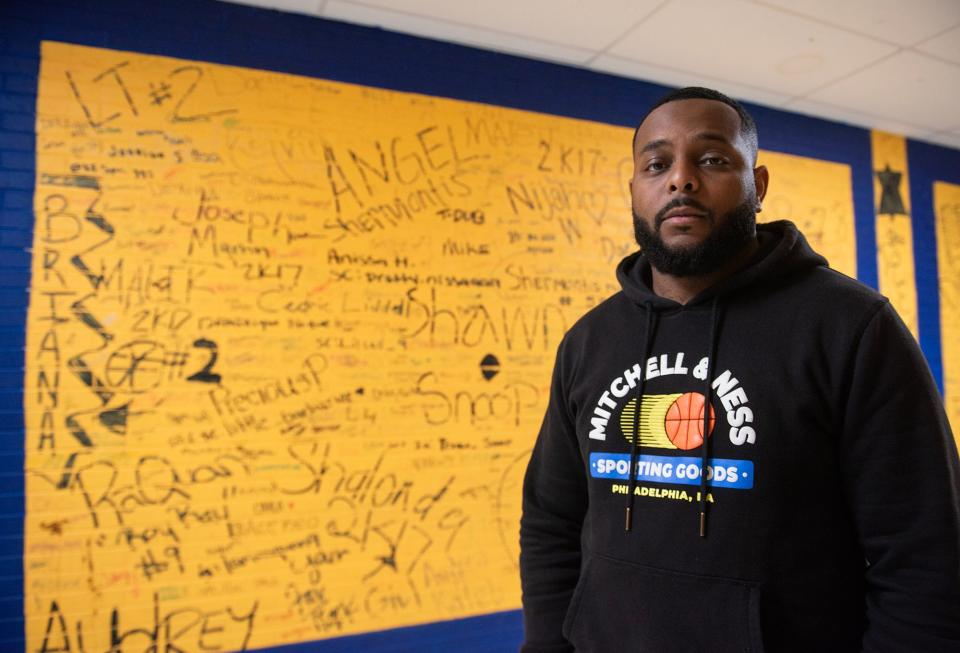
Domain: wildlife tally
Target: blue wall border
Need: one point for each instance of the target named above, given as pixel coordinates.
(489, 633)
(238, 35)
(927, 164)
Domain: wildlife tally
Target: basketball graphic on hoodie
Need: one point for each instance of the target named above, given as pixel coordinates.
(684, 421)
(672, 421)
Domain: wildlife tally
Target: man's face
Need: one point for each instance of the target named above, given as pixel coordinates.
(694, 190)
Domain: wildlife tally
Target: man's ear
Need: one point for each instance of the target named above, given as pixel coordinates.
(761, 178)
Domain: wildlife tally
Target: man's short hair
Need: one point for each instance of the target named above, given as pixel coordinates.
(748, 128)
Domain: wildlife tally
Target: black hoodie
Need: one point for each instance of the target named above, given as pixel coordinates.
(831, 518)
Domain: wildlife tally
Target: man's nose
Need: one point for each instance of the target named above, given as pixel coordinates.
(683, 178)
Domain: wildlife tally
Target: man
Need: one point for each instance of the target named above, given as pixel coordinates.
(828, 516)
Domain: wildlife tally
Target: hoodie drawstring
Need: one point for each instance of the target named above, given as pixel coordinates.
(635, 450)
(707, 414)
(708, 418)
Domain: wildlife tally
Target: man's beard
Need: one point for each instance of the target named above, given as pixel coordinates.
(726, 241)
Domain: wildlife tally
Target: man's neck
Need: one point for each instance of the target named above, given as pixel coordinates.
(683, 289)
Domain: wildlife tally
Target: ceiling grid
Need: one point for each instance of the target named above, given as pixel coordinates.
(883, 64)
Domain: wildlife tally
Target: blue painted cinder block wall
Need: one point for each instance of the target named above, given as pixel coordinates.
(244, 36)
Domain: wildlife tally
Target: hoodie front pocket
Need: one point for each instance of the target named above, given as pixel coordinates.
(620, 607)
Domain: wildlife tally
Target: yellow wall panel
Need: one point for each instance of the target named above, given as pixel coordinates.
(946, 202)
(818, 197)
(891, 193)
(289, 344)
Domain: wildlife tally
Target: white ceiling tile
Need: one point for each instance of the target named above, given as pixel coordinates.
(899, 21)
(454, 33)
(946, 46)
(854, 117)
(651, 73)
(576, 23)
(749, 44)
(768, 52)
(311, 7)
(907, 87)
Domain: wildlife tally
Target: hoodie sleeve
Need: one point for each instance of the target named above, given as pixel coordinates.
(901, 483)
(554, 504)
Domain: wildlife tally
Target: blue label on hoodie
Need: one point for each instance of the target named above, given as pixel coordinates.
(721, 472)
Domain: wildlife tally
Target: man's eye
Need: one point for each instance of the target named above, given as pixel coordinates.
(713, 160)
(656, 166)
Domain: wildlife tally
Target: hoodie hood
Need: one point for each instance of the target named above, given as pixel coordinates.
(783, 250)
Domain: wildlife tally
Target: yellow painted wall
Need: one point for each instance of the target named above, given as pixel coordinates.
(818, 197)
(891, 197)
(946, 202)
(289, 344)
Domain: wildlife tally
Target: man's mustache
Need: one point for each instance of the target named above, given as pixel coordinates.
(676, 204)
